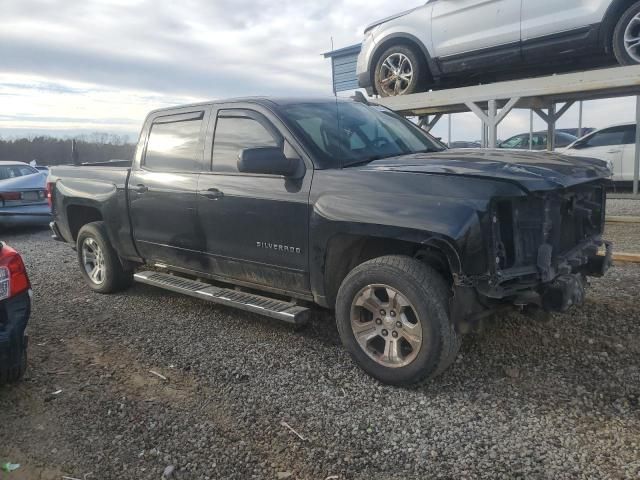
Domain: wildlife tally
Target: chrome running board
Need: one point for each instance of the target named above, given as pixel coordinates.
(286, 311)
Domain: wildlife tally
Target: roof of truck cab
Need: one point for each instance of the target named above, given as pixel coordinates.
(265, 101)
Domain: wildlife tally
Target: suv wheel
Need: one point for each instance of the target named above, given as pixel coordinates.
(400, 71)
(626, 37)
(392, 316)
(99, 262)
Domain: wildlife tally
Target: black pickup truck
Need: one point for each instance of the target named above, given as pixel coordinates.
(274, 206)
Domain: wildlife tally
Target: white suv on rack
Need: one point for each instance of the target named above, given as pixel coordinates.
(450, 43)
(615, 145)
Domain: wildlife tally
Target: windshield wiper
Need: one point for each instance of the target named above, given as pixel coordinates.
(368, 160)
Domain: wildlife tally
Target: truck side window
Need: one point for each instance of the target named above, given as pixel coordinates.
(234, 133)
(175, 147)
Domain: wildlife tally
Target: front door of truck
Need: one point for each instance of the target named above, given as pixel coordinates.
(475, 33)
(162, 189)
(256, 227)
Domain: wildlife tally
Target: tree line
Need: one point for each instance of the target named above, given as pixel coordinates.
(97, 147)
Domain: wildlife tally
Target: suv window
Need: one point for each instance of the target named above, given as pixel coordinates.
(564, 139)
(516, 142)
(629, 135)
(235, 131)
(175, 146)
(610, 136)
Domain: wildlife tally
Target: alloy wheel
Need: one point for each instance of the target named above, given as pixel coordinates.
(386, 326)
(396, 74)
(632, 38)
(93, 261)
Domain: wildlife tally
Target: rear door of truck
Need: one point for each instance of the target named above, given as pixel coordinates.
(163, 184)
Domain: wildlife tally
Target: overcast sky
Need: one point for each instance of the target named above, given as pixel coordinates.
(69, 67)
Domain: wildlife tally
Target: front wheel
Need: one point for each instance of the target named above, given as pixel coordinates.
(393, 318)
(626, 37)
(400, 71)
(99, 262)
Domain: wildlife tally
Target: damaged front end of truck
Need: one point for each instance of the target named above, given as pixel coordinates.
(542, 248)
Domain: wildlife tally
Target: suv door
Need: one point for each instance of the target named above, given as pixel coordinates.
(550, 27)
(162, 188)
(256, 226)
(606, 144)
(475, 33)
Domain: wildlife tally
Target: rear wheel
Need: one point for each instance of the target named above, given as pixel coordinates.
(393, 318)
(626, 37)
(401, 70)
(99, 262)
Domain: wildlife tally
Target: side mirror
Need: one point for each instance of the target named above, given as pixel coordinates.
(267, 161)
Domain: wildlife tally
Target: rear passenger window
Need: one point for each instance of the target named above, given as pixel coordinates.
(175, 146)
(630, 135)
(235, 132)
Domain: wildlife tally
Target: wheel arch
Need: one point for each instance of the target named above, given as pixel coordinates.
(80, 215)
(611, 17)
(401, 39)
(359, 248)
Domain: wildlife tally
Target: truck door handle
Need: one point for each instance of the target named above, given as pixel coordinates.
(212, 194)
(613, 151)
(140, 188)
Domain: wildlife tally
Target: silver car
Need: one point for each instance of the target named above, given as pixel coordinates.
(23, 195)
(452, 43)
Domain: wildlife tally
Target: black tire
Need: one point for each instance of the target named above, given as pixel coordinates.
(429, 295)
(115, 277)
(420, 76)
(620, 51)
(15, 373)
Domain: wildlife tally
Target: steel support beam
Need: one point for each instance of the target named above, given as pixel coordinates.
(581, 104)
(551, 128)
(530, 129)
(551, 118)
(636, 167)
(492, 118)
(427, 124)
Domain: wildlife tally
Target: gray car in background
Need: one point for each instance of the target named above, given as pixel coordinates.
(23, 195)
(538, 141)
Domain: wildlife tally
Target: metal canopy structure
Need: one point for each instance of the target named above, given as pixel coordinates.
(493, 102)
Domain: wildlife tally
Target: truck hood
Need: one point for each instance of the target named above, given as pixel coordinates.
(388, 19)
(531, 170)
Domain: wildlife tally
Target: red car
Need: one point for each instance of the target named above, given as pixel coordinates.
(15, 306)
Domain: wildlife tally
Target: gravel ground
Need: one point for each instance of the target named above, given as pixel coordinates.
(622, 207)
(626, 235)
(524, 399)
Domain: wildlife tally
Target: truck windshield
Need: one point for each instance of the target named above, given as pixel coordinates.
(349, 133)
